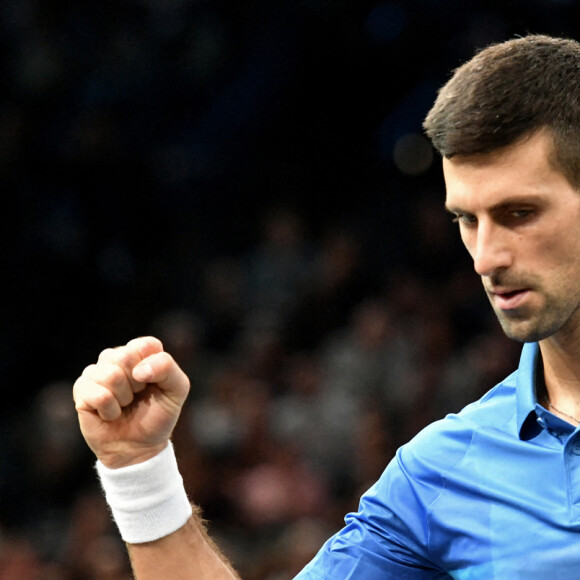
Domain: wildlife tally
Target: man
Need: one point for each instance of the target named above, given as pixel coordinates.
(491, 492)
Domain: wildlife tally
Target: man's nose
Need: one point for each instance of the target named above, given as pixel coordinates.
(491, 251)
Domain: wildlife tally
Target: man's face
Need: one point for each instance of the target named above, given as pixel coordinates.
(519, 218)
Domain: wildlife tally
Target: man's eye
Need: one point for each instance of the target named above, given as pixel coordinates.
(464, 219)
(521, 213)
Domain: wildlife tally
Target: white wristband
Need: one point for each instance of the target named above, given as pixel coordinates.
(148, 500)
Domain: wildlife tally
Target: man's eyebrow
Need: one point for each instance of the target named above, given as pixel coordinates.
(454, 209)
(531, 199)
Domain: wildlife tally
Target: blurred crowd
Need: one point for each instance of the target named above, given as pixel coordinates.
(306, 373)
(248, 182)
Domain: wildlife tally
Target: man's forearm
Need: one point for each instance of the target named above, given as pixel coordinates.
(128, 404)
(187, 554)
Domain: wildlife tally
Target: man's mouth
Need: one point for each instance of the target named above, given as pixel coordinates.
(509, 299)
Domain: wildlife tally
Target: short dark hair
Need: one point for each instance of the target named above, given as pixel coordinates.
(509, 91)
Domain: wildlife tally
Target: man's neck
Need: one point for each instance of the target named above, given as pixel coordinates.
(561, 362)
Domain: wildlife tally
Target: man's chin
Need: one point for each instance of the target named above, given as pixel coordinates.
(524, 330)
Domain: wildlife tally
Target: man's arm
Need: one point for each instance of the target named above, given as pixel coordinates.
(185, 554)
(128, 404)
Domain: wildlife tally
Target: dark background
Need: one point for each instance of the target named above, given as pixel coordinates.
(143, 142)
(137, 139)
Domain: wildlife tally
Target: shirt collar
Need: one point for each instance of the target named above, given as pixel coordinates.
(526, 399)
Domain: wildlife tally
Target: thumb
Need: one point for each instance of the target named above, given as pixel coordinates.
(161, 369)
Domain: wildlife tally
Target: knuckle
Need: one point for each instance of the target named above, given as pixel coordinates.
(124, 357)
(106, 354)
(111, 375)
(88, 394)
(106, 405)
(104, 399)
(77, 390)
(89, 370)
(163, 359)
(152, 340)
(120, 355)
(145, 343)
(162, 363)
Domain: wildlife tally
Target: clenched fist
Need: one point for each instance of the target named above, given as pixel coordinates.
(129, 401)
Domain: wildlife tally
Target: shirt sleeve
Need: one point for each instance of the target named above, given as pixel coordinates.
(386, 539)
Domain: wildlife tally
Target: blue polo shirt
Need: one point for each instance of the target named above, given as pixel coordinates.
(492, 492)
